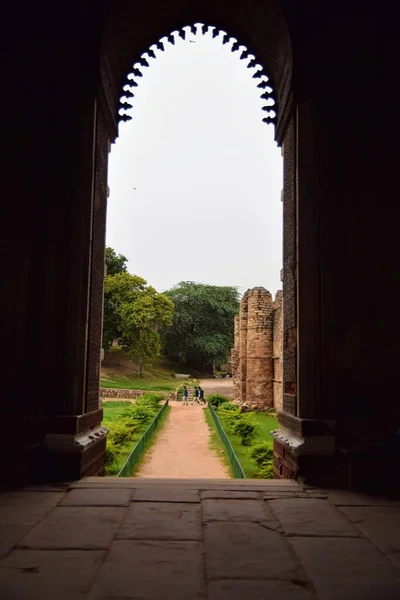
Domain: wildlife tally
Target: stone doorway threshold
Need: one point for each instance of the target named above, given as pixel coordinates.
(154, 539)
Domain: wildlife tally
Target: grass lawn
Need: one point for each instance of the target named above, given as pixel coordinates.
(266, 424)
(215, 441)
(142, 383)
(112, 412)
(153, 439)
(119, 372)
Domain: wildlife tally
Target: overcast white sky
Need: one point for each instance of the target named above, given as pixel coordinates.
(195, 178)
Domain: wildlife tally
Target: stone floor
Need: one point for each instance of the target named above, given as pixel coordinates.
(114, 539)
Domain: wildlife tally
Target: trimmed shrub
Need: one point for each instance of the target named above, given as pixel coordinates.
(112, 453)
(121, 433)
(246, 428)
(229, 413)
(217, 399)
(262, 453)
(151, 399)
(266, 471)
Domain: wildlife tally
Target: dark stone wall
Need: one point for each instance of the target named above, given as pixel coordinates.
(58, 111)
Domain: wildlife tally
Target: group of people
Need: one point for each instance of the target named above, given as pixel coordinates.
(198, 396)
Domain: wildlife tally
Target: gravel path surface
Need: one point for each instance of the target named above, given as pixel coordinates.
(182, 447)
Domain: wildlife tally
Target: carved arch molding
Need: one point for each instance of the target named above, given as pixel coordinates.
(258, 31)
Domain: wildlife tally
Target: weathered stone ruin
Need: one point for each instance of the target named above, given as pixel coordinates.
(257, 354)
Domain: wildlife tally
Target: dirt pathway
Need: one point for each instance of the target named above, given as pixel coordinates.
(182, 447)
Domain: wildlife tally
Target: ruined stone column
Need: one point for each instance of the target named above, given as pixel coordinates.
(243, 347)
(259, 368)
(235, 360)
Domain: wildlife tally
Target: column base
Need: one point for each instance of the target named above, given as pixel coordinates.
(51, 449)
(316, 460)
(69, 457)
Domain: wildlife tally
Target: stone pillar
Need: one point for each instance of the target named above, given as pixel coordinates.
(52, 432)
(259, 373)
(235, 359)
(277, 350)
(243, 346)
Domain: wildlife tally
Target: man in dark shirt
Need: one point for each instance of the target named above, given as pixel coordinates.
(185, 395)
(201, 394)
(196, 395)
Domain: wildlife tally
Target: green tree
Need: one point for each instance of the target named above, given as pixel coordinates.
(134, 312)
(115, 263)
(202, 333)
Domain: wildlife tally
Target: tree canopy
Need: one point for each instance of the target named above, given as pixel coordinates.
(134, 312)
(115, 263)
(202, 332)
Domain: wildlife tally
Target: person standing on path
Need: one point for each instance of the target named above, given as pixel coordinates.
(185, 395)
(201, 394)
(196, 395)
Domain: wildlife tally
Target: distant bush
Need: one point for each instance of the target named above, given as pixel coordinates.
(246, 428)
(217, 399)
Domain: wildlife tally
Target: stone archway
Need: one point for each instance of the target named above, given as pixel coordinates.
(130, 33)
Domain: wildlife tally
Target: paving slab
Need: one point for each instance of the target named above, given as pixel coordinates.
(345, 498)
(299, 516)
(27, 508)
(161, 521)
(239, 589)
(70, 527)
(42, 575)
(102, 497)
(347, 569)
(151, 570)
(248, 551)
(381, 524)
(165, 494)
(218, 509)
(19, 512)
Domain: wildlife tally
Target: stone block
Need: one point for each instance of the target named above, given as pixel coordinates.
(42, 574)
(347, 568)
(301, 516)
(161, 521)
(381, 524)
(236, 510)
(151, 570)
(229, 495)
(100, 497)
(248, 551)
(238, 589)
(70, 527)
(166, 494)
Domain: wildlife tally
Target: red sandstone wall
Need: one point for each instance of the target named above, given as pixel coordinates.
(277, 350)
(257, 355)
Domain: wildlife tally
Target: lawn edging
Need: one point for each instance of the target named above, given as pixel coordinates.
(141, 445)
(237, 468)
